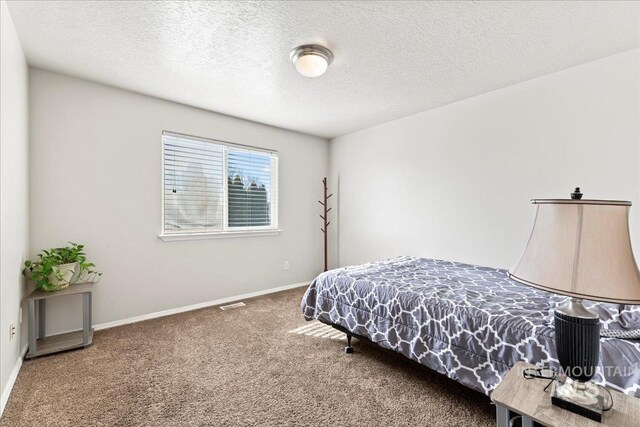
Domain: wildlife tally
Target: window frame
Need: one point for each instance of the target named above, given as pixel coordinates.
(247, 231)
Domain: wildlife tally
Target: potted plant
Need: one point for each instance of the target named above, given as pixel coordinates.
(57, 268)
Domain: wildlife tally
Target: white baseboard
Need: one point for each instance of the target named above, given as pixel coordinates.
(221, 301)
(12, 380)
(14, 374)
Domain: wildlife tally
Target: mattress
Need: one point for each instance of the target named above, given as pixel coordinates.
(467, 322)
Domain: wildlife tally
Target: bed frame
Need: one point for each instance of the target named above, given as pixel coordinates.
(348, 349)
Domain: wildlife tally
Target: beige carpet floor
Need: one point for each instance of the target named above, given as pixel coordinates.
(252, 366)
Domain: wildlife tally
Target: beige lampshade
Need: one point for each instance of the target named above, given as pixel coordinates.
(581, 248)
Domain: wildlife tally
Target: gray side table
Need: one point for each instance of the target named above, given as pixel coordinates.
(41, 344)
(517, 395)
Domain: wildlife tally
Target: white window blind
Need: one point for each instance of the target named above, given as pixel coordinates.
(215, 187)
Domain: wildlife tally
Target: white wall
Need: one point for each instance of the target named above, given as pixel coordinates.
(96, 179)
(455, 182)
(14, 200)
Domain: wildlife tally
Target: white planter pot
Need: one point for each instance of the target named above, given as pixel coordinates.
(67, 270)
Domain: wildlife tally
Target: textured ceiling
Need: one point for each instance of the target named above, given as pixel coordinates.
(391, 59)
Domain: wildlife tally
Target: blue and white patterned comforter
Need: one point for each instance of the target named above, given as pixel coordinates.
(468, 322)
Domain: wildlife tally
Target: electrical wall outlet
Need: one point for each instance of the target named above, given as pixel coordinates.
(12, 331)
(286, 265)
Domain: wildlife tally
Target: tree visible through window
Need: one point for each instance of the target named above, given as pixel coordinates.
(211, 186)
(249, 184)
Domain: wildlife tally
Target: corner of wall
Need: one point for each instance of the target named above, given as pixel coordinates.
(14, 200)
(334, 187)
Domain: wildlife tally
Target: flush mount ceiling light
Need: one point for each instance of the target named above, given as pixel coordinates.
(311, 60)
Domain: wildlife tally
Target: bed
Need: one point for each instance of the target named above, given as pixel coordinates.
(467, 322)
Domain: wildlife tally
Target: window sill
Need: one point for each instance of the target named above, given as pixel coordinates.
(169, 237)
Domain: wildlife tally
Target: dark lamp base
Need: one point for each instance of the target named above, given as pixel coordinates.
(573, 396)
(578, 346)
(577, 340)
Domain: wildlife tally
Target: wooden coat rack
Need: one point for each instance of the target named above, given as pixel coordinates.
(325, 218)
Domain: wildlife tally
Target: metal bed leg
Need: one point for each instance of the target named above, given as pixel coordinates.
(348, 349)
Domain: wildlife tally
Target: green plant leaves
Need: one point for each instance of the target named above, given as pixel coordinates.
(47, 265)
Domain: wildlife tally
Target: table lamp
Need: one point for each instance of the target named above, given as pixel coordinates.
(582, 249)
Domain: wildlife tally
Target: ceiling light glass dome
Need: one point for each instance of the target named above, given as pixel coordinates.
(311, 60)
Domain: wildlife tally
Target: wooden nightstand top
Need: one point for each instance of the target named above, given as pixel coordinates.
(78, 288)
(526, 397)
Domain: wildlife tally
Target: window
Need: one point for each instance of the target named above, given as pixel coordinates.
(217, 188)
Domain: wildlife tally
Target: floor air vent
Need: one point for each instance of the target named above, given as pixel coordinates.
(232, 306)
